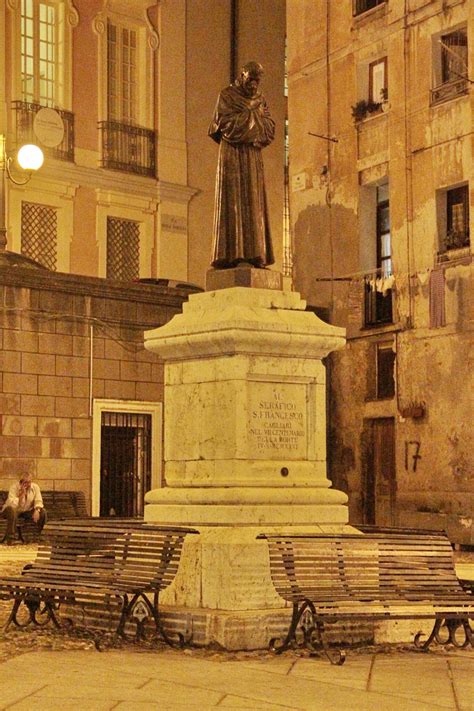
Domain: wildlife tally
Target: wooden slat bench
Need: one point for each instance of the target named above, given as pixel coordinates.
(58, 505)
(331, 578)
(112, 572)
(467, 584)
(400, 530)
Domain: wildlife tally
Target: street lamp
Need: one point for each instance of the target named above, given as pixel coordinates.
(30, 159)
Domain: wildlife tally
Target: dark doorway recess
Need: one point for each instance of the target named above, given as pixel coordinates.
(125, 463)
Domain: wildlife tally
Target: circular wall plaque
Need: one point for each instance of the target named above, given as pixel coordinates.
(48, 127)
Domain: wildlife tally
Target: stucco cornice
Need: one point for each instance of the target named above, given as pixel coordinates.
(175, 192)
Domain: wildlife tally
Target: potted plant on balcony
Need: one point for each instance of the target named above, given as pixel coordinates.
(364, 108)
(456, 239)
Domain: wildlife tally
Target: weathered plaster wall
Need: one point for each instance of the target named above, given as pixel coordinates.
(422, 149)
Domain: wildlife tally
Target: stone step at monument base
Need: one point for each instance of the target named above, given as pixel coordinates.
(251, 630)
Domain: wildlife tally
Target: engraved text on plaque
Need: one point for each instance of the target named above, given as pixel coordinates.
(277, 424)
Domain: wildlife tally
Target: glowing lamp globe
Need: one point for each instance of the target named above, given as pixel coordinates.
(30, 157)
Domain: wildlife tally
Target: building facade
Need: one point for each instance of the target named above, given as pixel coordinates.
(81, 400)
(380, 109)
(119, 95)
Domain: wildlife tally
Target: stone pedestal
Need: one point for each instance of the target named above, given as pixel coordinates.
(243, 275)
(245, 453)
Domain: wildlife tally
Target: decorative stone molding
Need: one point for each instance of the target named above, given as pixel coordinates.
(116, 198)
(241, 321)
(153, 40)
(176, 193)
(153, 37)
(72, 15)
(99, 23)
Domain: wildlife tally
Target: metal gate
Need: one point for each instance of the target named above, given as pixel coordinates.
(125, 463)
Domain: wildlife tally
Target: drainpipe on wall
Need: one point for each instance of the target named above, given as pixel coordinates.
(408, 164)
(91, 367)
(329, 149)
(234, 28)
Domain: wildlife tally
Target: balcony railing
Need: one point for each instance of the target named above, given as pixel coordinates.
(449, 90)
(377, 304)
(131, 149)
(25, 113)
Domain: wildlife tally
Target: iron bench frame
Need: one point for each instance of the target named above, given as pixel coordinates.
(92, 565)
(329, 578)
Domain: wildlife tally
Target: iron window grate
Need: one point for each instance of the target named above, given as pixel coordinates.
(123, 249)
(39, 229)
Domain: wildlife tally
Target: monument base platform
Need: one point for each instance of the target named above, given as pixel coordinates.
(243, 275)
(250, 630)
(223, 591)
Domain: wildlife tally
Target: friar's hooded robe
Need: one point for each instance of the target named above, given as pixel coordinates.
(242, 126)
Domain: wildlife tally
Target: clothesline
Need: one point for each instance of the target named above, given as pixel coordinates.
(370, 274)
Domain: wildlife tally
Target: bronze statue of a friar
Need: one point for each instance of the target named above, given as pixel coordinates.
(242, 126)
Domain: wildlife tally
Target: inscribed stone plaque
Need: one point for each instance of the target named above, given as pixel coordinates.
(277, 424)
(174, 223)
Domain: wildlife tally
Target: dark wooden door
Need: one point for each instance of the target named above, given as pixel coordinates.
(380, 484)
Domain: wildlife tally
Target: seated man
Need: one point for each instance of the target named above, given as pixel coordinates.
(24, 501)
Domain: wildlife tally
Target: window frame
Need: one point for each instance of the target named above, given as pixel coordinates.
(125, 205)
(357, 12)
(463, 191)
(445, 87)
(122, 48)
(384, 90)
(378, 306)
(147, 44)
(445, 54)
(380, 233)
(50, 194)
(68, 19)
(384, 393)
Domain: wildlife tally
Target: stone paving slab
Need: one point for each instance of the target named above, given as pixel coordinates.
(85, 680)
(135, 681)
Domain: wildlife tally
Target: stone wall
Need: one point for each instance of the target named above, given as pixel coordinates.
(65, 340)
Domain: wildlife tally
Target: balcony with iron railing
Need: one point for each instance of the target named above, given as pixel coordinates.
(25, 113)
(378, 309)
(128, 148)
(449, 90)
